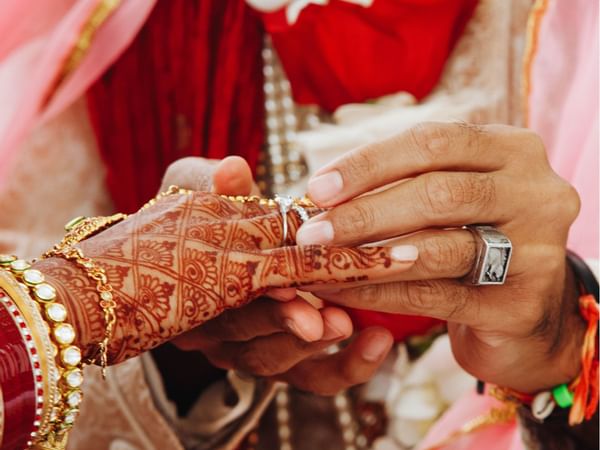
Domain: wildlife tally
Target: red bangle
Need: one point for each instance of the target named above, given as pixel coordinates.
(18, 380)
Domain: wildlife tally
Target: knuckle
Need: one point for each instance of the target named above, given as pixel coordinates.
(368, 295)
(458, 300)
(435, 195)
(570, 201)
(443, 194)
(442, 253)
(355, 220)
(256, 362)
(360, 164)
(175, 170)
(528, 143)
(421, 295)
(430, 140)
(228, 327)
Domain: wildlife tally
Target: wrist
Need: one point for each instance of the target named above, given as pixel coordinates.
(569, 337)
(558, 352)
(77, 293)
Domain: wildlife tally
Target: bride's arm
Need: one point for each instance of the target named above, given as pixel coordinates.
(186, 259)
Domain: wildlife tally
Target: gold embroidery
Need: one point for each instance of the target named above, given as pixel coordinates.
(99, 15)
(538, 10)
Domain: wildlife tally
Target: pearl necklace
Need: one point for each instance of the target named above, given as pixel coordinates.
(353, 439)
(281, 163)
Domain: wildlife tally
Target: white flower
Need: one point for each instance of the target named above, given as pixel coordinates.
(418, 393)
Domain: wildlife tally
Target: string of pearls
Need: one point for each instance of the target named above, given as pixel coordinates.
(353, 439)
(282, 163)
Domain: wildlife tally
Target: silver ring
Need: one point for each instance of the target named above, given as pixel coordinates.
(494, 250)
(285, 203)
(301, 213)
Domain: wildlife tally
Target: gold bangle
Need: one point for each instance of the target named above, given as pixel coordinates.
(44, 367)
(67, 357)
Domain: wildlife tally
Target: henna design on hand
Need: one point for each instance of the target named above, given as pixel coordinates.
(184, 260)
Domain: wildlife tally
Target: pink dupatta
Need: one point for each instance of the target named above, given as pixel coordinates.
(37, 42)
(563, 108)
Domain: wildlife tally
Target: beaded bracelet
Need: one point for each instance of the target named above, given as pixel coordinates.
(64, 404)
(581, 395)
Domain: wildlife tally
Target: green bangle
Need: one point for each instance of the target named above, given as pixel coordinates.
(562, 396)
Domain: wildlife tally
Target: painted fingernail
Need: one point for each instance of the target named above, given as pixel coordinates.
(294, 328)
(324, 188)
(405, 253)
(315, 233)
(378, 346)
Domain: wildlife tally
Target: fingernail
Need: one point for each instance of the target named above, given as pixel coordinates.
(405, 253)
(331, 332)
(324, 188)
(295, 329)
(376, 349)
(311, 233)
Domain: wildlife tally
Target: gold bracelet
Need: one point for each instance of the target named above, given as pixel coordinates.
(65, 404)
(105, 291)
(79, 229)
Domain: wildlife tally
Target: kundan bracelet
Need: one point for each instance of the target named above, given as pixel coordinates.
(63, 366)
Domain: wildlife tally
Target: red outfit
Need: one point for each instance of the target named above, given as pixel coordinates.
(191, 83)
(346, 53)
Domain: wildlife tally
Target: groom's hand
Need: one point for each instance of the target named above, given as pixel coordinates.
(283, 338)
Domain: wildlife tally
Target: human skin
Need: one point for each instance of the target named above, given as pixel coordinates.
(188, 258)
(282, 336)
(424, 185)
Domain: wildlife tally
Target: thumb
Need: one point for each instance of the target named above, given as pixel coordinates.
(233, 176)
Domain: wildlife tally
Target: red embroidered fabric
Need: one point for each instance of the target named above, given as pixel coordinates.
(16, 382)
(189, 85)
(346, 53)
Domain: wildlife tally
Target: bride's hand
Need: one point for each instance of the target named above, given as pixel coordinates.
(187, 258)
(282, 336)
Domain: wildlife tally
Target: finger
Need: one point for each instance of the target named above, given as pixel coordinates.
(268, 225)
(300, 266)
(442, 254)
(275, 354)
(437, 199)
(423, 148)
(282, 294)
(232, 176)
(193, 173)
(441, 299)
(355, 364)
(264, 317)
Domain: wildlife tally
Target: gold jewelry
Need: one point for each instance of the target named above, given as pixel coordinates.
(303, 202)
(171, 190)
(64, 402)
(105, 291)
(79, 229)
